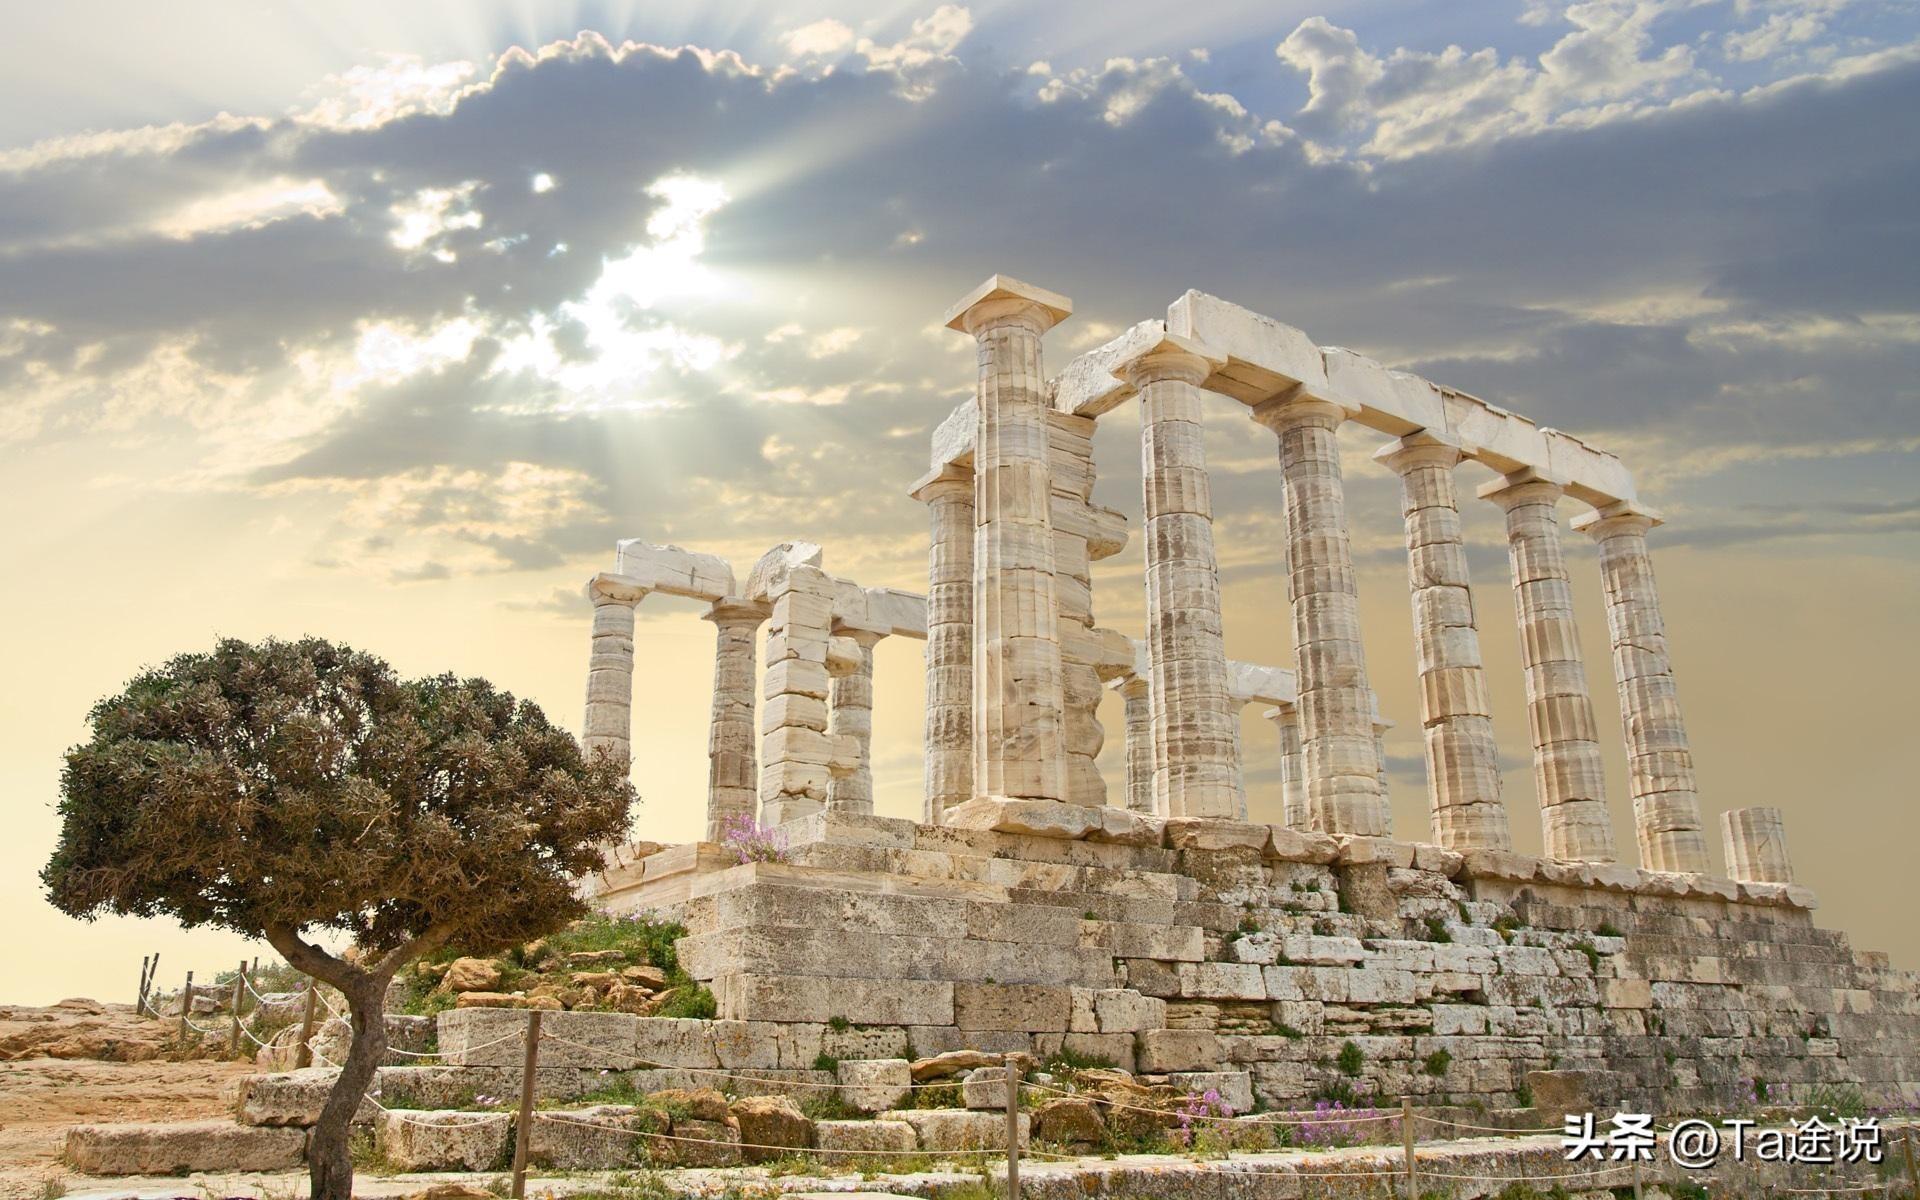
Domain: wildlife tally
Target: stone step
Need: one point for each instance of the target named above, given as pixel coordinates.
(183, 1147)
(851, 954)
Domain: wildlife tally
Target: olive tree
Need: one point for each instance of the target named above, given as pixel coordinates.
(301, 792)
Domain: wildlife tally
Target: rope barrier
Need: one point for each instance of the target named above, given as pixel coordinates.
(1507, 1129)
(1343, 1117)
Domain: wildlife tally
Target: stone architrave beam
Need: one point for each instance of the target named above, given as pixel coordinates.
(674, 571)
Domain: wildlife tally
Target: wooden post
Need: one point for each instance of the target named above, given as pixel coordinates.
(140, 997)
(1636, 1179)
(186, 1006)
(239, 993)
(146, 987)
(523, 1121)
(1012, 1070)
(303, 1055)
(1913, 1176)
(1406, 1142)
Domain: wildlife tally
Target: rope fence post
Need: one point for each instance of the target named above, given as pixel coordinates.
(140, 997)
(186, 1007)
(303, 1054)
(1406, 1142)
(523, 1120)
(1636, 1179)
(1913, 1176)
(239, 994)
(1013, 1126)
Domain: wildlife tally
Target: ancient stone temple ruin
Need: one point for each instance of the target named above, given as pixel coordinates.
(1155, 927)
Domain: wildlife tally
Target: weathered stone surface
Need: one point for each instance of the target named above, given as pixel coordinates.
(592, 1139)
(770, 1126)
(472, 975)
(859, 1142)
(985, 1088)
(429, 1140)
(874, 1085)
(1160, 1051)
(953, 1062)
(1069, 1121)
(951, 1129)
(1026, 1007)
(697, 1143)
(1235, 1088)
(291, 1098)
(183, 1147)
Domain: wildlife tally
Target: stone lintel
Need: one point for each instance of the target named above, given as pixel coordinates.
(1152, 354)
(1010, 293)
(737, 610)
(675, 571)
(942, 478)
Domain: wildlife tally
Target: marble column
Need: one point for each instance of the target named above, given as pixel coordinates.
(609, 719)
(1293, 777)
(1567, 772)
(1463, 759)
(1756, 843)
(1139, 709)
(1019, 703)
(795, 750)
(1335, 703)
(1196, 765)
(850, 725)
(1666, 804)
(732, 765)
(948, 495)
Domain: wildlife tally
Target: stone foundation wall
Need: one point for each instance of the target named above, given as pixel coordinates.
(1323, 966)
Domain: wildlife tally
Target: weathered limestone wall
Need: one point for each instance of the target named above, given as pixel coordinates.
(1218, 945)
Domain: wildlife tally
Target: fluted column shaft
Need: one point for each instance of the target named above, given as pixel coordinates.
(1139, 711)
(732, 783)
(1568, 774)
(1335, 703)
(1756, 843)
(608, 726)
(1666, 803)
(1293, 775)
(1019, 705)
(1463, 759)
(850, 721)
(948, 495)
(1196, 765)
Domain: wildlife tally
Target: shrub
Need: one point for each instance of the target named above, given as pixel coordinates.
(1437, 1063)
(1351, 1059)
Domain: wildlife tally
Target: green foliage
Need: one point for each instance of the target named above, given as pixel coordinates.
(825, 1062)
(839, 1024)
(1282, 1029)
(1466, 917)
(823, 1104)
(1089, 915)
(1838, 1100)
(937, 1096)
(1437, 930)
(1523, 1096)
(1437, 1063)
(1593, 955)
(1351, 1059)
(1505, 924)
(689, 1000)
(1337, 1091)
(52, 1188)
(1609, 929)
(1064, 1061)
(642, 937)
(284, 787)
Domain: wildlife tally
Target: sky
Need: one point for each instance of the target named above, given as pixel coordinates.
(383, 322)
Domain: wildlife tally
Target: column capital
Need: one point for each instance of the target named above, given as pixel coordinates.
(869, 638)
(1169, 357)
(1002, 300)
(608, 588)
(732, 610)
(1420, 448)
(1525, 486)
(945, 483)
(1284, 715)
(1610, 520)
(1297, 406)
(1132, 687)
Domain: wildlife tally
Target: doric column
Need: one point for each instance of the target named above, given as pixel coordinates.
(1335, 703)
(1019, 704)
(1463, 760)
(1666, 806)
(609, 719)
(1293, 777)
(948, 495)
(1567, 772)
(1756, 841)
(1196, 772)
(1139, 708)
(794, 747)
(731, 762)
(850, 724)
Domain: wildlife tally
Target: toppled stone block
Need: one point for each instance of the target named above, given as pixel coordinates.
(985, 1088)
(859, 1141)
(591, 1139)
(1235, 1088)
(183, 1147)
(697, 1143)
(875, 1085)
(292, 1098)
(769, 1127)
(953, 1062)
(427, 1140)
(942, 1129)
(1161, 1051)
(472, 975)
(1070, 1121)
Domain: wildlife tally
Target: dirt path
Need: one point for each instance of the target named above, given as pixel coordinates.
(40, 1097)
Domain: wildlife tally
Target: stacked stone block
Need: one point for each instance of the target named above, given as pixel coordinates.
(795, 750)
(1073, 518)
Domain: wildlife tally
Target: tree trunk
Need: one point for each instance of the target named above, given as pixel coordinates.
(329, 1157)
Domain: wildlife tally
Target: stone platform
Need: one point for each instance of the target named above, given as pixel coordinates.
(1323, 966)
